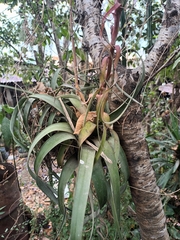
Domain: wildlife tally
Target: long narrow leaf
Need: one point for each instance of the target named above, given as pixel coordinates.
(7, 135)
(54, 102)
(16, 132)
(26, 110)
(65, 176)
(114, 185)
(49, 145)
(119, 154)
(102, 141)
(81, 191)
(42, 118)
(60, 127)
(124, 164)
(54, 79)
(46, 188)
(116, 115)
(99, 182)
(51, 118)
(62, 152)
(92, 213)
(164, 178)
(79, 105)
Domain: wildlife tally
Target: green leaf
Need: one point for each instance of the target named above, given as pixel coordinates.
(99, 182)
(27, 107)
(114, 185)
(5, 128)
(7, 109)
(16, 131)
(119, 154)
(169, 211)
(45, 111)
(78, 104)
(51, 118)
(92, 215)
(174, 232)
(49, 145)
(65, 176)
(164, 178)
(115, 144)
(86, 131)
(60, 127)
(176, 63)
(62, 152)
(1, 117)
(124, 164)
(116, 115)
(103, 139)
(176, 165)
(54, 102)
(54, 79)
(46, 188)
(81, 191)
(174, 127)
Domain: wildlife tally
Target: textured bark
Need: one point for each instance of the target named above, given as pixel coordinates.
(145, 192)
(168, 33)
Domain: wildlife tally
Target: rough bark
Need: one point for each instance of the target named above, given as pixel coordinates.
(168, 33)
(145, 192)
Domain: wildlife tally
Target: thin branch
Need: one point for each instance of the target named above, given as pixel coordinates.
(20, 55)
(167, 63)
(78, 92)
(56, 39)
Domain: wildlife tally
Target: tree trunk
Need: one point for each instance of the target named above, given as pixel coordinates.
(145, 192)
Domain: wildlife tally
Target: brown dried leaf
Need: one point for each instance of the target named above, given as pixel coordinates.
(91, 116)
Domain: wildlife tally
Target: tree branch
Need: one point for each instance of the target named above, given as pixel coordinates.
(89, 16)
(167, 63)
(168, 33)
(20, 55)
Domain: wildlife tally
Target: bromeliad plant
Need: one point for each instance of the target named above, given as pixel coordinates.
(83, 144)
(76, 129)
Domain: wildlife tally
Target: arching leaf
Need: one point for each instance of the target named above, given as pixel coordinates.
(65, 176)
(60, 127)
(79, 105)
(49, 145)
(16, 119)
(46, 188)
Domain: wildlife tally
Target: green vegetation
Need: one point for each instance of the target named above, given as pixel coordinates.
(64, 121)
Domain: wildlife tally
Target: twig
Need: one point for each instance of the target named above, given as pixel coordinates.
(74, 56)
(169, 62)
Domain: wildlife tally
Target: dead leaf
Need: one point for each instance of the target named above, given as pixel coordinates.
(2, 167)
(91, 116)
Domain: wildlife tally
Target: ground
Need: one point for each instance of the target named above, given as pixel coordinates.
(32, 196)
